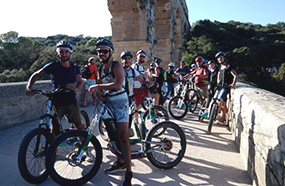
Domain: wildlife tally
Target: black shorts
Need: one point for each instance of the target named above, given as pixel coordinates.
(153, 90)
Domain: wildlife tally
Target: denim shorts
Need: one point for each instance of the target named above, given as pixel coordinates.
(222, 94)
(120, 110)
(89, 82)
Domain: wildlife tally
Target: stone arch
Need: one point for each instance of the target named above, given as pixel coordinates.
(158, 27)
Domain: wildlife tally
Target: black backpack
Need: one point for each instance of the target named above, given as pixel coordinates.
(86, 73)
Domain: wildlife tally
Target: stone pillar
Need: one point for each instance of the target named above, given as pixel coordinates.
(158, 27)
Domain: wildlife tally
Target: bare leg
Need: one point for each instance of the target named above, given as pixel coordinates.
(125, 146)
(85, 98)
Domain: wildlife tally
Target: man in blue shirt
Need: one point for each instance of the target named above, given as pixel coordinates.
(64, 74)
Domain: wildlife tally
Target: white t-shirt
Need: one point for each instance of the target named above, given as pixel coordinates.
(131, 80)
(141, 70)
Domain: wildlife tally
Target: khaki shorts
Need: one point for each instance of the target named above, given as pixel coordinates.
(71, 112)
(203, 91)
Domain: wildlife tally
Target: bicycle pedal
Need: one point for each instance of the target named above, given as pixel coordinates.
(131, 132)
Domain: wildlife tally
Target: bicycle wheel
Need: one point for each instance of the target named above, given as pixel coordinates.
(212, 117)
(167, 150)
(102, 130)
(159, 115)
(193, 99)
(85, 119)
(177, 107)
(61, 160)
(31, 155)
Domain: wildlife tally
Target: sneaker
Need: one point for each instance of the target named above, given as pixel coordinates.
(115, 168)
(154, 120)
(128, 179)
(205, 115)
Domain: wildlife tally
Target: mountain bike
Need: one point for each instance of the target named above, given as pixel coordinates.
(213, 108)
(178, 105)
(67, 164)
(34, 146)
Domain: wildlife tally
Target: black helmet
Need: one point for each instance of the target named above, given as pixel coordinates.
(64, 44)
(141, 52)
(220, 54)
(126, 53)
(157, 60)
(212, 61)
(105, 42)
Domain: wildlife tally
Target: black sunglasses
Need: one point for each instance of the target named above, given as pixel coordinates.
(102, 51)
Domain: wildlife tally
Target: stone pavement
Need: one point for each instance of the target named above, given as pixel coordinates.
(209, 159)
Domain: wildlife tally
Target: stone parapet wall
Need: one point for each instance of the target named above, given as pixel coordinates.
(17, 107)
(258, 127)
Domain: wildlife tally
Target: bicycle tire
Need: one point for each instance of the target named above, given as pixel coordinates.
(85, 119)
(212, 116)
(102, 130)
(177, 107)
(38, 139)
(192, 99)
(161, 115)
(65, 170)
(175, 141)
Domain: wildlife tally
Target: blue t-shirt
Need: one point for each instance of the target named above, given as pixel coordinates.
(183, 71)
(62, 76)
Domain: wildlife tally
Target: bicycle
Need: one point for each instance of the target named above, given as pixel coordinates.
(67, 162)
(213, 109)
(34, 146)
(178, 105)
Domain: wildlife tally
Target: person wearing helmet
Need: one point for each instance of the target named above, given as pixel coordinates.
(64, 75)
(227, 78)
(138, 65)
(111, 77)
(131, 74)
(213, 69)
(160, 78)
(200, 74)
(171, 80)
(152, 74)
(182, 70)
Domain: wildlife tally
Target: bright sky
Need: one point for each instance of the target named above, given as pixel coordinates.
(38, 18)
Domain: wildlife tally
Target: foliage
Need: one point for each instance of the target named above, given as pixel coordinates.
(252, 49)
(21, 56)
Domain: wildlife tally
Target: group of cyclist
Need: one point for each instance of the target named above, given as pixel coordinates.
(208, 76)
(112, 77)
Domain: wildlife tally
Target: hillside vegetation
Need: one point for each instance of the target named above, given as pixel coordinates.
(257, 52)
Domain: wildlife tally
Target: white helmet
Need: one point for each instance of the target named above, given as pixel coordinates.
(171, 64)
(193, 66)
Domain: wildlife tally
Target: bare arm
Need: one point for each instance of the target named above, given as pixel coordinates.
(235, 75)
(36, 75)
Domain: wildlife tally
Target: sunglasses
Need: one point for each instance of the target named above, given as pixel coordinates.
(102, 51)
(142, 56)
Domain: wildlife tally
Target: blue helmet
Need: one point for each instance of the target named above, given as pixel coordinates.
(126, 53)
(141, 52)
(105, 42)
(220, 54)
(157, 60)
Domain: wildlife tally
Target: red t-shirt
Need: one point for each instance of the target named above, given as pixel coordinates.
(198, 80)
(92, 69)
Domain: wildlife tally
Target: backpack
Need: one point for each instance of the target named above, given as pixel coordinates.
(112, 73)
(127, 86)
(86, 73)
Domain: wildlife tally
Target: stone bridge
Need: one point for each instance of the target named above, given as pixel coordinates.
(158, 27)
(257, 125)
